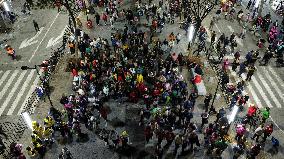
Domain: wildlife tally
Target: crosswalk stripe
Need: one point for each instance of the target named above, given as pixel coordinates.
(32, 88)
(274, 85)
(276, 77)
(21, 92)
(262, 80)
(3, 78)
(254, 96)
(10, 95)
(10, 80)
(262, 93)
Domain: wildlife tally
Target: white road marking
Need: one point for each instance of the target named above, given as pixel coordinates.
(10, 95)
(276, 76)
(254, 96)
(262, 93)
(28, 42)
(3, 78)
(274, 85)
(43, 37)
(268, 90)
(230, 28)
(21, 92)
(53, 42)
(32, 88)
(10, 80)
(217, 28)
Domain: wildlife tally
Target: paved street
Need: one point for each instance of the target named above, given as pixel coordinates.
(31, 49)
(16, 86)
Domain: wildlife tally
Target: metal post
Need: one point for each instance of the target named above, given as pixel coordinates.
(37, 70)
(47, 90)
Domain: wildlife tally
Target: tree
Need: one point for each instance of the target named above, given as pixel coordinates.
(199, 9)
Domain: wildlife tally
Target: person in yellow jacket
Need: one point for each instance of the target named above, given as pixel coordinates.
(37, 129)
(31, 152)
(49, 122)
(47, 132)
(139, 78)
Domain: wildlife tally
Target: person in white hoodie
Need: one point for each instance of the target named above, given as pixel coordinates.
(257, 133)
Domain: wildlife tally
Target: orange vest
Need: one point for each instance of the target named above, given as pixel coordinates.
(10, 51)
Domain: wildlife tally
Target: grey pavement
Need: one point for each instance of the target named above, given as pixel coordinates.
(95, 148)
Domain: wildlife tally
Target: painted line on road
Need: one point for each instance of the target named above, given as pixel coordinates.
(10, 95)
(262, 93)
(44, 37)
(255, 97)
(276, 76)
(7, 85)
(21, 93)
(3, 78)
(217, 28)
(28, 95)
(274, 85)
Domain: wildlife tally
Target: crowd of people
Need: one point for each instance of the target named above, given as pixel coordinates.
(132, 65)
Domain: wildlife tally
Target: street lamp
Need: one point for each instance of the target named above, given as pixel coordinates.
(27, 68)
(28, 120)
(190, 35)
(45, 83)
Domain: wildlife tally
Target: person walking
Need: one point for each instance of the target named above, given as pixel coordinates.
(178, 142)
(178, 37)
(267, 132)
(265, 114)
(249, 4)
(104, 18)
(211, 24)
(97, 17)
(251, 70)
(207, 100)
(254, 151)
(266, 57)
(257, 133)
(204, 119)
(36, 25)
(213, 38)
(235, 64)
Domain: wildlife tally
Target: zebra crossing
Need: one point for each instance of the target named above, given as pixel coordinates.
(16, 86)
(266, 88)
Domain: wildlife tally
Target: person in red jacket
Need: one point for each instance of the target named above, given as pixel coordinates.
(251, 112)
(267, 132)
